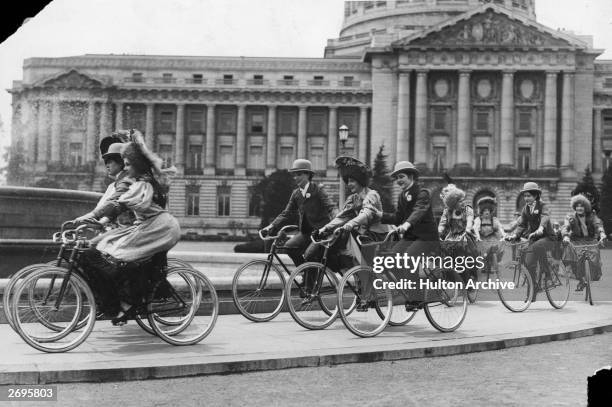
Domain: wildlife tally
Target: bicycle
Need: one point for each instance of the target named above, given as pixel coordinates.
(259, 285)
(584, 259)
(445, 305)
(62, 301)
(313, 307)
(455, 249)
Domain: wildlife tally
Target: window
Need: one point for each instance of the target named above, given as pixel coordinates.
(255, 202)
(348, 80)
(439, 119)
(227, 122)
(606, 160)
(195, 121)
(482, 121)
(228, 79)
(223, 200)
(317, 157)
(135, 116)
(607, 124)
(165, 153)
(439, 157)
(524, 121)
(256, 157)
(197, 78)
(75, 154)
(195, 156)
(317, 123)
(258, 80)
(318, 80)
(287, 122)
(167, 78)
(482, 155)
(256, 122)
(192, 200)
(166, 121)
(285, 157)
(524, 159)
(226, 157)
(137, 77)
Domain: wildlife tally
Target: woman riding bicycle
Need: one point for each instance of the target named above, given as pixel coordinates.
(122, 253)
(488, 231)
(582, 226)
(535, 225)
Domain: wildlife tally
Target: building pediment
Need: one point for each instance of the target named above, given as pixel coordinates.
(490, 26)
(71, 79)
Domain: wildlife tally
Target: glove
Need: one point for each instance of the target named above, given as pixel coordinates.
(510, 238)
(533, 236)
(403, 228)
(347, 227)
(566, 239)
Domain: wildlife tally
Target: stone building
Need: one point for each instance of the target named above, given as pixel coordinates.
(478, 89)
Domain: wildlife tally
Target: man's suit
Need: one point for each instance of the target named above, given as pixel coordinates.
(314, 210)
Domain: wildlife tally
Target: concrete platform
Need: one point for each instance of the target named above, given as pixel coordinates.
(238, 345)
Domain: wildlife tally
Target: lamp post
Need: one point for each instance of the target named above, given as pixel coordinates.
(343, 134)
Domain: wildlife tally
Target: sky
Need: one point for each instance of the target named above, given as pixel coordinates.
(268, 28)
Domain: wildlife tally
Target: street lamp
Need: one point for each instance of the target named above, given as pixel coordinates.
(343, 134)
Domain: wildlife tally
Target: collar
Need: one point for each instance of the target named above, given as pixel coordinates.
(305, 189)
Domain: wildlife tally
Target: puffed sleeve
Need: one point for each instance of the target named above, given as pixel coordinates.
(477, 228)
(443, 223)
(367, 215)
(469, 219)
(138, 197)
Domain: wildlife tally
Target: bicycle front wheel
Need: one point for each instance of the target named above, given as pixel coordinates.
(372, 313)
(558, 285)
(515, 286)
(258, 290)
(37, 303)
(312, 296)
(447, 314)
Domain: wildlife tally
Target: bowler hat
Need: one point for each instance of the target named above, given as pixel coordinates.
(406, 167)
(301, 164)
(530, 187)
(114, 151)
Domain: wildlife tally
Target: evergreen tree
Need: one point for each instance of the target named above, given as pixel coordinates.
(14, 171)
(271, 194)
(606, 200)
(587, 187)
(381, 180)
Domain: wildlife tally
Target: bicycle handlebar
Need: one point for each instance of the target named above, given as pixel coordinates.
(332, 237)
(282, 231)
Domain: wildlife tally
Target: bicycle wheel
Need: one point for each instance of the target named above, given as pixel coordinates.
(62, 304)
(315, 308)
(587, 282)
(258, 290)
(399, 315)
(174, 262)
(447, 314)
(557, 287)
(183, 309)
(365, 321)
(472, 292)
(515, 286)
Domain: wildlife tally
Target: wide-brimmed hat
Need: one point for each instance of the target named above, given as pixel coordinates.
(406, 167)
(486, 202)
(301, 164)
(120, 136)
(114, 151)
(350, 167)
(453, 196)
(530, 187)
(581, 200)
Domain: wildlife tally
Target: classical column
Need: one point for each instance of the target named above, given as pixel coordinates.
(209, 168)
(90, 143)
(597, 141)
(43, 132)
(464, 145)
(55, 131)
(550, 122)
(271, 142)
(332, 140)
(301, 150)
(420, 120)
(403, 117)
(31, 130)
(567, 122)
(149, 128)
(506, 145)
(363, 133)
(179, 158)
(241, 141)
(118, 115)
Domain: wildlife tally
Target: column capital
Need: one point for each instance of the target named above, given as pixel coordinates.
(422, 72)
(210, 105)
(552, 73)
(181, 104)
(509, 72)
(333, 108)
(465, 72)
(271, 106)
(302, 107)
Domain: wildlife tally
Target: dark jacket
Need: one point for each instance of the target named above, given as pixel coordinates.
(314, 211)
(530, 221)
(414, 206)
(572, 227)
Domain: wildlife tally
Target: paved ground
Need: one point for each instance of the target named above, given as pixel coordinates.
(538, 375)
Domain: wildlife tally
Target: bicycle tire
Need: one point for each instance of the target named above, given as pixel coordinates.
(519, 298)
(587, 281)
(448, 314)
(558, 293)
(301, 304)
(189, 328)
(472, 294)
(254, 297)
(69, 338)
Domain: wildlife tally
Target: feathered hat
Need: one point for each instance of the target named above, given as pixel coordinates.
(581, 200)
(451, 196)
(144, 159)
(350, 167)
(486, 202)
